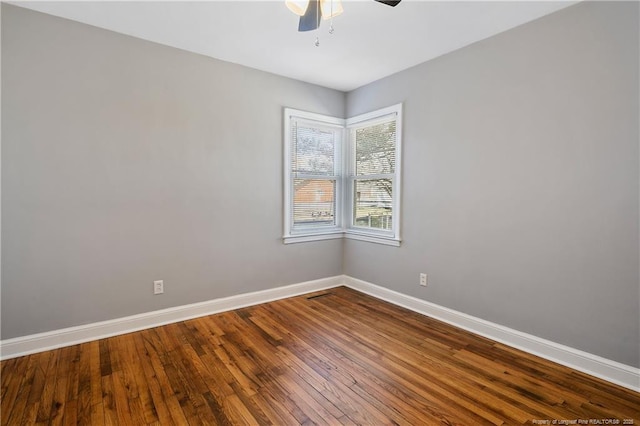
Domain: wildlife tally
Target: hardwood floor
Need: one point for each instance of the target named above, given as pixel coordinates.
(334, 357)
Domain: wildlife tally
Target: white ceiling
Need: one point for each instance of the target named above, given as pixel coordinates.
(371, 40)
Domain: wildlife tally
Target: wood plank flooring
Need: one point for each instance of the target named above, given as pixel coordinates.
(334, 357)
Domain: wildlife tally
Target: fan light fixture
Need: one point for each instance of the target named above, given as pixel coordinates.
(328, 8)
(299, 7)
(311, 12)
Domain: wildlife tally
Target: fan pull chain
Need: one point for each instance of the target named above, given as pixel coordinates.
(331, 24)
(331, 29)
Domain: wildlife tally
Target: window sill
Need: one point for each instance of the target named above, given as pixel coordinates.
(377, 239)
(372, 238)
(305, 238)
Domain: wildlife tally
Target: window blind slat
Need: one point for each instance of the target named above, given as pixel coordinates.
(375, 151)
(313, 150)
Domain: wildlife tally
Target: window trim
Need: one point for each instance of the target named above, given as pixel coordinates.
(345, 177)
(351, 230)
(304, 234)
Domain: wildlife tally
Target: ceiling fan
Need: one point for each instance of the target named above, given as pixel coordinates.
(311, 12)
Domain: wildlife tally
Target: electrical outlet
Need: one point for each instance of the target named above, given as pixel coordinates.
(423, 279)
(158, 287)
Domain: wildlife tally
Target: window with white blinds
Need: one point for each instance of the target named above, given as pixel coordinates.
(313, 177)
(373, 185)
(336, 187)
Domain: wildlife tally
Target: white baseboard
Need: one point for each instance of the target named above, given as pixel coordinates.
(25, 345)
(606, 369)
(594, 365)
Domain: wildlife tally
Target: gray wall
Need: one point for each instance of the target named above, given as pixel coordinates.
(125, 162)
(521, 180)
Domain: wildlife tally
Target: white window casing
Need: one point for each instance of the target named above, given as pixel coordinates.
(321, 172)
(312, 176)
(384, 205)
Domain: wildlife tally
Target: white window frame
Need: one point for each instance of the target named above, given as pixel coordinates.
(344, 172)
(381, 236)
(294, 234)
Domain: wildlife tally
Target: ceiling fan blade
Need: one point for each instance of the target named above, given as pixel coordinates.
(392, 3)
(311, 19)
